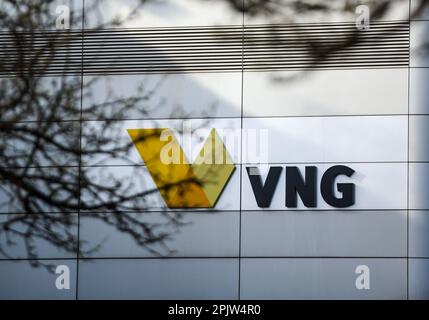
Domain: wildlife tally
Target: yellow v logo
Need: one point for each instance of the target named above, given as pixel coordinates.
(181, 184)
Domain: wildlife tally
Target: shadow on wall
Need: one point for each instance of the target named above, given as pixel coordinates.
(41, 153)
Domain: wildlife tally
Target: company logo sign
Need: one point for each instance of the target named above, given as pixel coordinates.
(182, 184)
(200, 184)
(304, 185)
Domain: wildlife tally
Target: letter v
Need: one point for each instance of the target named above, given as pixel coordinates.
(264, 192)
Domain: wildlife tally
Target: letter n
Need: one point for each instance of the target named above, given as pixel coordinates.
(295, 184)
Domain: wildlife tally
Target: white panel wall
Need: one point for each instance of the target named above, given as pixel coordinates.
(324, 234)
(159, 279)
(169, 95)
(331, 139)
(327, 92)
(372, 120)
(419, 156)
(20, 280)
(311, 278)
(196, 234)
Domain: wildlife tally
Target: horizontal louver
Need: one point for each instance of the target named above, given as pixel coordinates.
(193, 49)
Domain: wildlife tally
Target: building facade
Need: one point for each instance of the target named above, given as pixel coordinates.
(193, 66)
